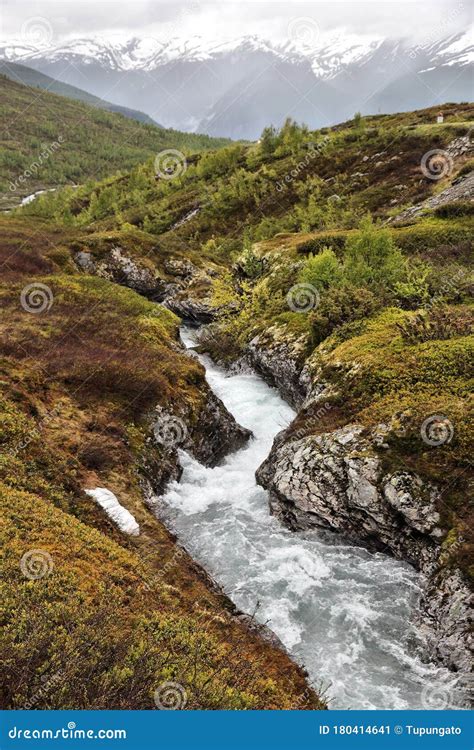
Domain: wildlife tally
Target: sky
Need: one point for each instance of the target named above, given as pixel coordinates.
(226, 19)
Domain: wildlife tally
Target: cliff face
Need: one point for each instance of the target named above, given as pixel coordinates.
(336, 480)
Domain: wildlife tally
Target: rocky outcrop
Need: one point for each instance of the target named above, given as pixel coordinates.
(336, 481)
(461, 190)
(209, 436)
(279, 359)
(191, 310)
(122, 269)
(215, 433)
(189, 294)
(184, 289)
(446, 619)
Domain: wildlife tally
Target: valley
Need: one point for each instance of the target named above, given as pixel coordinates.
(301, 486)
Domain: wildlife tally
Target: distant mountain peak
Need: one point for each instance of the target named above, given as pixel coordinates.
(235, 86)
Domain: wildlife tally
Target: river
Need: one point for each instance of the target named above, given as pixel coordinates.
(341, 611)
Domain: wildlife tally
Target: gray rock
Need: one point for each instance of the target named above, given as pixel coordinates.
(446, 619)
(336, 480)
(280, 362)
(181, 268)
(191, 310)
(124, 270)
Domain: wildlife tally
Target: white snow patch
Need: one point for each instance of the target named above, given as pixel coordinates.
(119, 515)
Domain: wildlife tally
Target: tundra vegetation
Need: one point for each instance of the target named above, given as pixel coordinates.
(391, 320)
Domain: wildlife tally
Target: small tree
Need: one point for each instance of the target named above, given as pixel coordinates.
(358, 121)
(323, 270)
(372, 258)
(268, 142)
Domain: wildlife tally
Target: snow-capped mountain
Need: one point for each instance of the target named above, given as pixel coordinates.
(235, 87)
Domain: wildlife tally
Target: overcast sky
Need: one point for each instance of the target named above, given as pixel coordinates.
(226, 19)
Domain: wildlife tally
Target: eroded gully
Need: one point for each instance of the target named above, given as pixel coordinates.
(341, 611)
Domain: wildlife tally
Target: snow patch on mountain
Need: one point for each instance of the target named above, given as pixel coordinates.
(328, 53)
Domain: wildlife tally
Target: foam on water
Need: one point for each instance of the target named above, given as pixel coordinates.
(341, 611)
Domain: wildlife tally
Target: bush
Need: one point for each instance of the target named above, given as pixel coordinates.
(371, 257)
(341, 305)
(454, 209)
(413, 290)
(438, 323)
(249, 265)
(323, 270)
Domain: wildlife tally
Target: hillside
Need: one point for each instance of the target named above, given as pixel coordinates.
(84, 382)
(293, 180)
(363, 322)
(49, 140)
(35, 79)
(338, 264)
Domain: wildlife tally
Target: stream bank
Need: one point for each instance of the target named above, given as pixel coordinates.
(341, 611)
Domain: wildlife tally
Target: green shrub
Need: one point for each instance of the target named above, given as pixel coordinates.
(371, 257)
(454, 209)
(341, 305)
(323, 270)
(438, 323)
(249, 264)
(413, 290)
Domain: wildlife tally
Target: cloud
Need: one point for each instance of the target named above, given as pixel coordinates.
(226, 19)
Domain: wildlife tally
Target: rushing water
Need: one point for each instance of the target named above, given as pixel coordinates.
(341, 612)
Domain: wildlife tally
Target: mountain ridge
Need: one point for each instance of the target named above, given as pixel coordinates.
(35, 79)
(199, 85)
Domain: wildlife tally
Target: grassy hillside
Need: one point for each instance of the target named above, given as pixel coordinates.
(35, 79)
(292, 181)
(48, 140)
(114, 618)
(390, 327)
(393, 302)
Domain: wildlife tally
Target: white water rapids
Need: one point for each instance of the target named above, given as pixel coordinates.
(341, 611)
